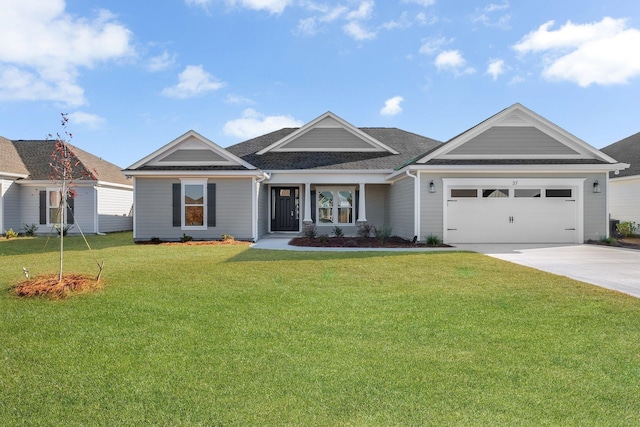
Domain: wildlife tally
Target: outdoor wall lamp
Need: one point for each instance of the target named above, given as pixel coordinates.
(596, 187)
(432, 187)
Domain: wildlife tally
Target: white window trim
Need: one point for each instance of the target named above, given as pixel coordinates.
(48, 207)
(203, 183)
(335, 190)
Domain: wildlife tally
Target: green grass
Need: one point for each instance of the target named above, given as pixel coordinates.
(206, 335)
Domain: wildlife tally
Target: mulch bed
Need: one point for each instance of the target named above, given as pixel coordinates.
(359, 242)
(620, 242)
(196, 243)
(49, 286)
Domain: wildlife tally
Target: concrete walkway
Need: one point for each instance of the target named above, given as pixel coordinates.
(608, 267)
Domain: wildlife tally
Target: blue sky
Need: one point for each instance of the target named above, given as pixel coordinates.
(135, 75)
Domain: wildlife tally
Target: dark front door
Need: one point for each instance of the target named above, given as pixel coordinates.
(285, 209)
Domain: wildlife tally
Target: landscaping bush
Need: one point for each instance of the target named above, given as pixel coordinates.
(310, 231)
(186, 238)
(10, 234)
(383, 233)
(627, 228)
(365, 230)
(434, 240)
(337, 231)
(227, 237)
(30, 229)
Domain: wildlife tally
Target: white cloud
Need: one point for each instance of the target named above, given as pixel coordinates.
(496, 68)
(402, 23)
(421, 2)
(307, 27)
(192, 82)
(431, 45)
(161, 62)
(362, 12)
(271, 6)
(423, 19)
(452, 60)
(42, 48)
(602, 52)
(392, 106)
(487, 16)
(92, 121)
(238, 100)
(254, 124)
(358, 32)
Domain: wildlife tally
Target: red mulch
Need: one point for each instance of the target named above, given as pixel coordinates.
(620, 242)
(359, 242)
(51, 287)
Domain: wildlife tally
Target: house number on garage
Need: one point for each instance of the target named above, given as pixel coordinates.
(514, 182)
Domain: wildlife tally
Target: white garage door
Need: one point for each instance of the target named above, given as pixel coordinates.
(503, 214)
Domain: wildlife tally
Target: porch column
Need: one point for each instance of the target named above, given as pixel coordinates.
(362, 211)
(307, 203)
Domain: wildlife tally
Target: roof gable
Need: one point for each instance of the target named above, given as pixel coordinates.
(328, 133)
(626, 150)
(516, 133)
(191, 149)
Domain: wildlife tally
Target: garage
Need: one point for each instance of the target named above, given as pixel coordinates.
(513, 211)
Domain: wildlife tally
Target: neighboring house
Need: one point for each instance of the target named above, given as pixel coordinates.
(624, 193)
(515, 177)
(28, 195)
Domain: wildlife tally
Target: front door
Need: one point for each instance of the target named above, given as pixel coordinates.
(285, 211)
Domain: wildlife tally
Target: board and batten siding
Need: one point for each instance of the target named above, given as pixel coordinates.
(327, 139)
(10, 208)
(624, 199)
(401, 207)
(512, 140)
(154, 213)
(114, 209)
(595, 222)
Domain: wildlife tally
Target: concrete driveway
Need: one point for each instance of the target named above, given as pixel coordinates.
(608, 267)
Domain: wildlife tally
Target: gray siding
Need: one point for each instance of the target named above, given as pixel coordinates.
(376, 200)
(624, 200)
(84, 209)
(154, 210)
(10, 215)
(401, 207)
(114, 209)
(322, 139)
(263, 210)
(193, 156)
(595, 215)
(513, 140)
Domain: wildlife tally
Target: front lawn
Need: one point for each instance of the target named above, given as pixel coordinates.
(227, 335)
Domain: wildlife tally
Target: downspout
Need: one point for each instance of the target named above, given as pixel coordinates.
(256, 204)
(416, 204)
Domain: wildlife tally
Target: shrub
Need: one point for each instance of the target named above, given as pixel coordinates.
(186, 238)
(627, 228)
(383, 233)
(365, 230)
(155, 239)
(227, 237)
(10, 234)
(337, 231)
(63, 230)
(323, 238)
(608, 240)
(30, 229)
(433, 240)
(310, 231)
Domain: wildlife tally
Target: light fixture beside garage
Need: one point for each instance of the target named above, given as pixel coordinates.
(596, 187)
(432, 187)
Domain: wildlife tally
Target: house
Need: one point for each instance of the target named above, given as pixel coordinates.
(624, 187)
(515, 177)
(28, 195)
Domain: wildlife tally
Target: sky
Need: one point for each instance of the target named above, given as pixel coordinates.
(132, 76)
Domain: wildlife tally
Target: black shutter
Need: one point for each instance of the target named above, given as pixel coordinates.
(211, 205)
(70, 211)
(313, 206)
(177, 221)
(43, 207)
(357, 205)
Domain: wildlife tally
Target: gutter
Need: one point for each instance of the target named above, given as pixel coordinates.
(416, 203)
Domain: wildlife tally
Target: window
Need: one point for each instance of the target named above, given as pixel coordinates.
(193, 204)
(54, 200)
(562, 192)
(495, 193)
(335, 206)
(50, 207)
(527, 193)
(458, 193)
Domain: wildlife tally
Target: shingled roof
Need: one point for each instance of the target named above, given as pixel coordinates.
(408, 145)
(626, 150)
(32, 158)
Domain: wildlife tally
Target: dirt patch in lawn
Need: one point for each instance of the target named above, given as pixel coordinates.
(51, 287)
(359, 242)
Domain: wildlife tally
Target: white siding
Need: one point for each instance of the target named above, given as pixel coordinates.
(154, 214)
(114, 209)
(401, 207)
(10, 206)
(624, 199)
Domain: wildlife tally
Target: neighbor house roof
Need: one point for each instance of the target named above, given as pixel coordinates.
(626, 150)
(33, 158)
(408, 145)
